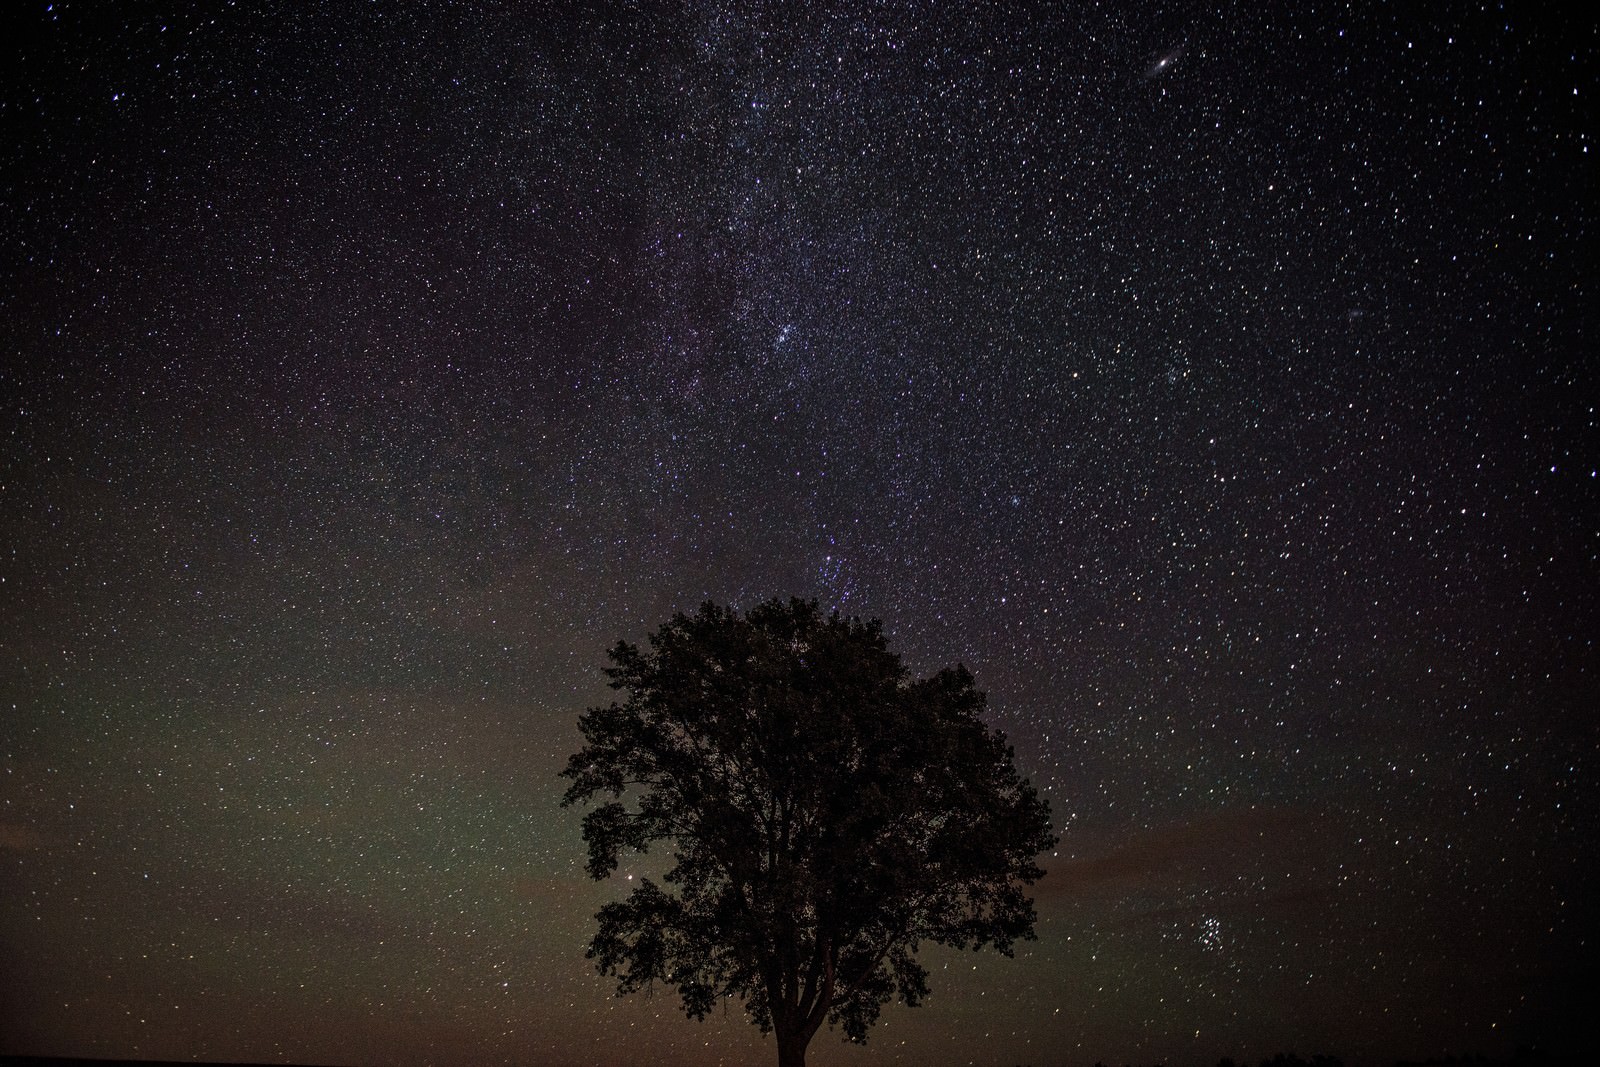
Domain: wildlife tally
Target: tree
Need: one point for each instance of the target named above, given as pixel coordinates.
(826, 813)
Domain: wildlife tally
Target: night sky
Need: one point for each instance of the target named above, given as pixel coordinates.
(1216, 382)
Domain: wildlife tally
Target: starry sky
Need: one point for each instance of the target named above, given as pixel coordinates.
(1215, 381)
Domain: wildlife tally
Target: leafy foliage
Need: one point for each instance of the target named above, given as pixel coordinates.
(827, 815)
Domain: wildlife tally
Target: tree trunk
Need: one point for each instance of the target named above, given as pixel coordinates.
(792, 1047)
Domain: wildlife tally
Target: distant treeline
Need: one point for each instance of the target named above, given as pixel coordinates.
(1522, 1058)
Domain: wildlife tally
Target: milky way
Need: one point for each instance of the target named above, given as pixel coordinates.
(370, 369)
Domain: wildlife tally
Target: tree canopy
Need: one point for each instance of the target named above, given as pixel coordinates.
(827, 815)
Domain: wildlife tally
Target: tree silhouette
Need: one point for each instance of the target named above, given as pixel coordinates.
(827, 815)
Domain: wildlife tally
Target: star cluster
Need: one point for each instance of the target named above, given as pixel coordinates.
(1214, 381)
